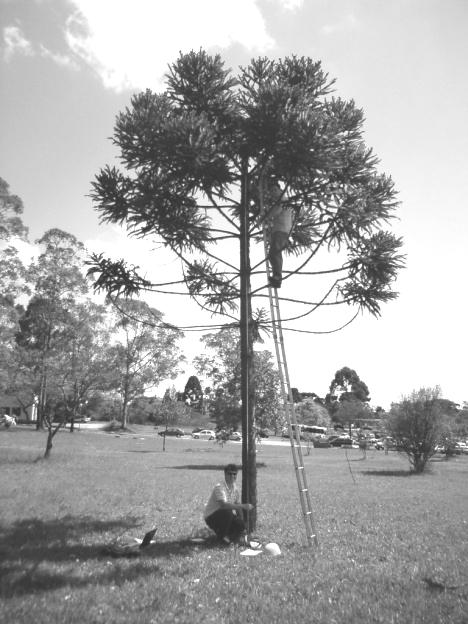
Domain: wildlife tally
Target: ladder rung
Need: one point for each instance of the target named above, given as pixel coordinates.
(288, 407)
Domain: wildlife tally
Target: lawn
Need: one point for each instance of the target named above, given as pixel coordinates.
(392, 546)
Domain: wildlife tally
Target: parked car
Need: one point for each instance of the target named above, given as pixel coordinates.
(461, 447)
(379, 445)
(342, 441)
(172, 431)
(235, 436)
(321, 443)
(204, 434)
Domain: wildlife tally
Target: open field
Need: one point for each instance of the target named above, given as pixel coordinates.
(393, 547)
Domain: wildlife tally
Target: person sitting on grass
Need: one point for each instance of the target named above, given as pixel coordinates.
(223, 509)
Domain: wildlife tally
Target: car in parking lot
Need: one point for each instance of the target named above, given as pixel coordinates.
(341, 441)
(172, 431)
(204, 434)
(461, 447)
(235, 436)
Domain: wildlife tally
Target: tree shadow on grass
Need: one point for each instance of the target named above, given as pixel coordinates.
(41, 556)
(388, 473)
(38, 555)
(219, 467)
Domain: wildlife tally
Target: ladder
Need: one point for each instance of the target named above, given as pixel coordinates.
(288, 404)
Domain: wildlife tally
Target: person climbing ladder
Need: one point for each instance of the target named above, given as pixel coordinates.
(279, 216)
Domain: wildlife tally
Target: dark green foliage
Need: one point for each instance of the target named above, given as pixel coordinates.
(11, 209)
(348, 385)
(348, 397)
(183, 152)
(115, 276)
(193, 392)
(416, 424)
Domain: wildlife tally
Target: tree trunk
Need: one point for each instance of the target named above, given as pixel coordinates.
(50, 436)
(249, 466)
(42, 401)
(124, 414)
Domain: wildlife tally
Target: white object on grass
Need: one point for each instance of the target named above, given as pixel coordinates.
(248, 552)
(273, 549)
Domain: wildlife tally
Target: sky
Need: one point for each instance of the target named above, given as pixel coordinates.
(68, 67)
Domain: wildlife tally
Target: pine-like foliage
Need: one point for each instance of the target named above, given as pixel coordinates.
(182, 155)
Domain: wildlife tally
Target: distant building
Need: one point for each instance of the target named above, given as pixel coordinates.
(10, 406)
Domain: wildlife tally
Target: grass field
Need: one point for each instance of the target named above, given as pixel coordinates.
(393, 547)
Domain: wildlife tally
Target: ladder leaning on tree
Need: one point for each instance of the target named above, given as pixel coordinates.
(288, 405)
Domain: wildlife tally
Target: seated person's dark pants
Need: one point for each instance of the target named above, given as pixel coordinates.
(279, 241)
(225, 523)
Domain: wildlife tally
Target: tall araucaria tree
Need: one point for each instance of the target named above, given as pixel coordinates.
(197, 157)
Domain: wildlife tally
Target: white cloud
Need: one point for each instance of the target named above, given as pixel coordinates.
(131, 43)
(348, 22)
(15, 43)
(291, 5)
(59, 59)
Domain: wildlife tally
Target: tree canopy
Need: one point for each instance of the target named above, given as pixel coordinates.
(416, 424)
(185, 151)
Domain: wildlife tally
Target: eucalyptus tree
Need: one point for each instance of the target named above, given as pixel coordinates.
(57, 284)
(220, 365)
(11, 209)
(81, 367)
(144, 351)
(197, 161)
(13, 284)
(348, 399)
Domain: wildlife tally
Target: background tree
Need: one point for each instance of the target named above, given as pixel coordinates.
(351, 411)
(13, 283)
(347, 385)
(144, 352)
(193, 393)
(416, 423)
(220, 364)
(461, 421)
(348, 397)
(82, 366)
(11, 209)
(296, 395)
(194, 154)
(310, 412)
(58, 283)
(268, 410)
(170, 411)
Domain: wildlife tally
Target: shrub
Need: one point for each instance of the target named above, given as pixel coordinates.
(416, 424)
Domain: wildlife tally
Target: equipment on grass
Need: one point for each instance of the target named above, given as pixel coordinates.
(273, 549)
(130, 547)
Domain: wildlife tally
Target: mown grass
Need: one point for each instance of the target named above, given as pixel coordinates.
(393, 547)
